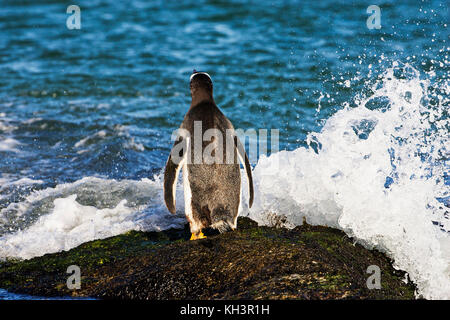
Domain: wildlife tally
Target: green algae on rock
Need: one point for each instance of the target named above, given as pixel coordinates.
(253, 262)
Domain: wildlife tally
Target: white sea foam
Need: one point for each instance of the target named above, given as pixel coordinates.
(8, 144)
(6, 127)
(118, 130)
(343, 185)
(4, 182)
(100, 134)
(62, 222)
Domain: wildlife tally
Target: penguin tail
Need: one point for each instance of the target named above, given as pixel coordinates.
(222, 226)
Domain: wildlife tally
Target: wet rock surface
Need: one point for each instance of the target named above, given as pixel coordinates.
(253, 262)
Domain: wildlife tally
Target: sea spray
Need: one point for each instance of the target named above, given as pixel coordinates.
(70, 214)
(377, 174)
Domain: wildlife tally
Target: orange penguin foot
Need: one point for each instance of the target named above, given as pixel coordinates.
(196, 236)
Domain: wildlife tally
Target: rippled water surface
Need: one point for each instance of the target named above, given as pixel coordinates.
(86, 118)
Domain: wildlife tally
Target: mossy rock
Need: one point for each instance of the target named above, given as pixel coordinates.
(253, 262)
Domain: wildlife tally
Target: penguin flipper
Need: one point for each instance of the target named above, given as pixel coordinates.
(171, 173)
(248, 169)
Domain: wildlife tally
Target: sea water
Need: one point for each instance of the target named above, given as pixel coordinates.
(86, 118)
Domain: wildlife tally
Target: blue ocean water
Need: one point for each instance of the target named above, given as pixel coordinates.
(5, 295)
(86, 116)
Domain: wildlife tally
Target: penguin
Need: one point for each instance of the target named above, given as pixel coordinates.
(211, 174)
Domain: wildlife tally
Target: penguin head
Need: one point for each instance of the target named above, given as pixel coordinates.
(201, 86)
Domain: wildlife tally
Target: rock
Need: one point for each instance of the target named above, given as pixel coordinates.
(253, 262)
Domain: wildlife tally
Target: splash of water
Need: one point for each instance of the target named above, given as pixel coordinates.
(377, 174)
(68, 215)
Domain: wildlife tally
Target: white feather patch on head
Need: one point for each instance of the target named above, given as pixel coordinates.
(197, 73)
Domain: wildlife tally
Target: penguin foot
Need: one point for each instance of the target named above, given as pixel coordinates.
(196, 236)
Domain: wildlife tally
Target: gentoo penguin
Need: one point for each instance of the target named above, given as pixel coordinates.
(208, 149)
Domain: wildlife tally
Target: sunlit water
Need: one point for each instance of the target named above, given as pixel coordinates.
(86, 118)
(5, 295)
